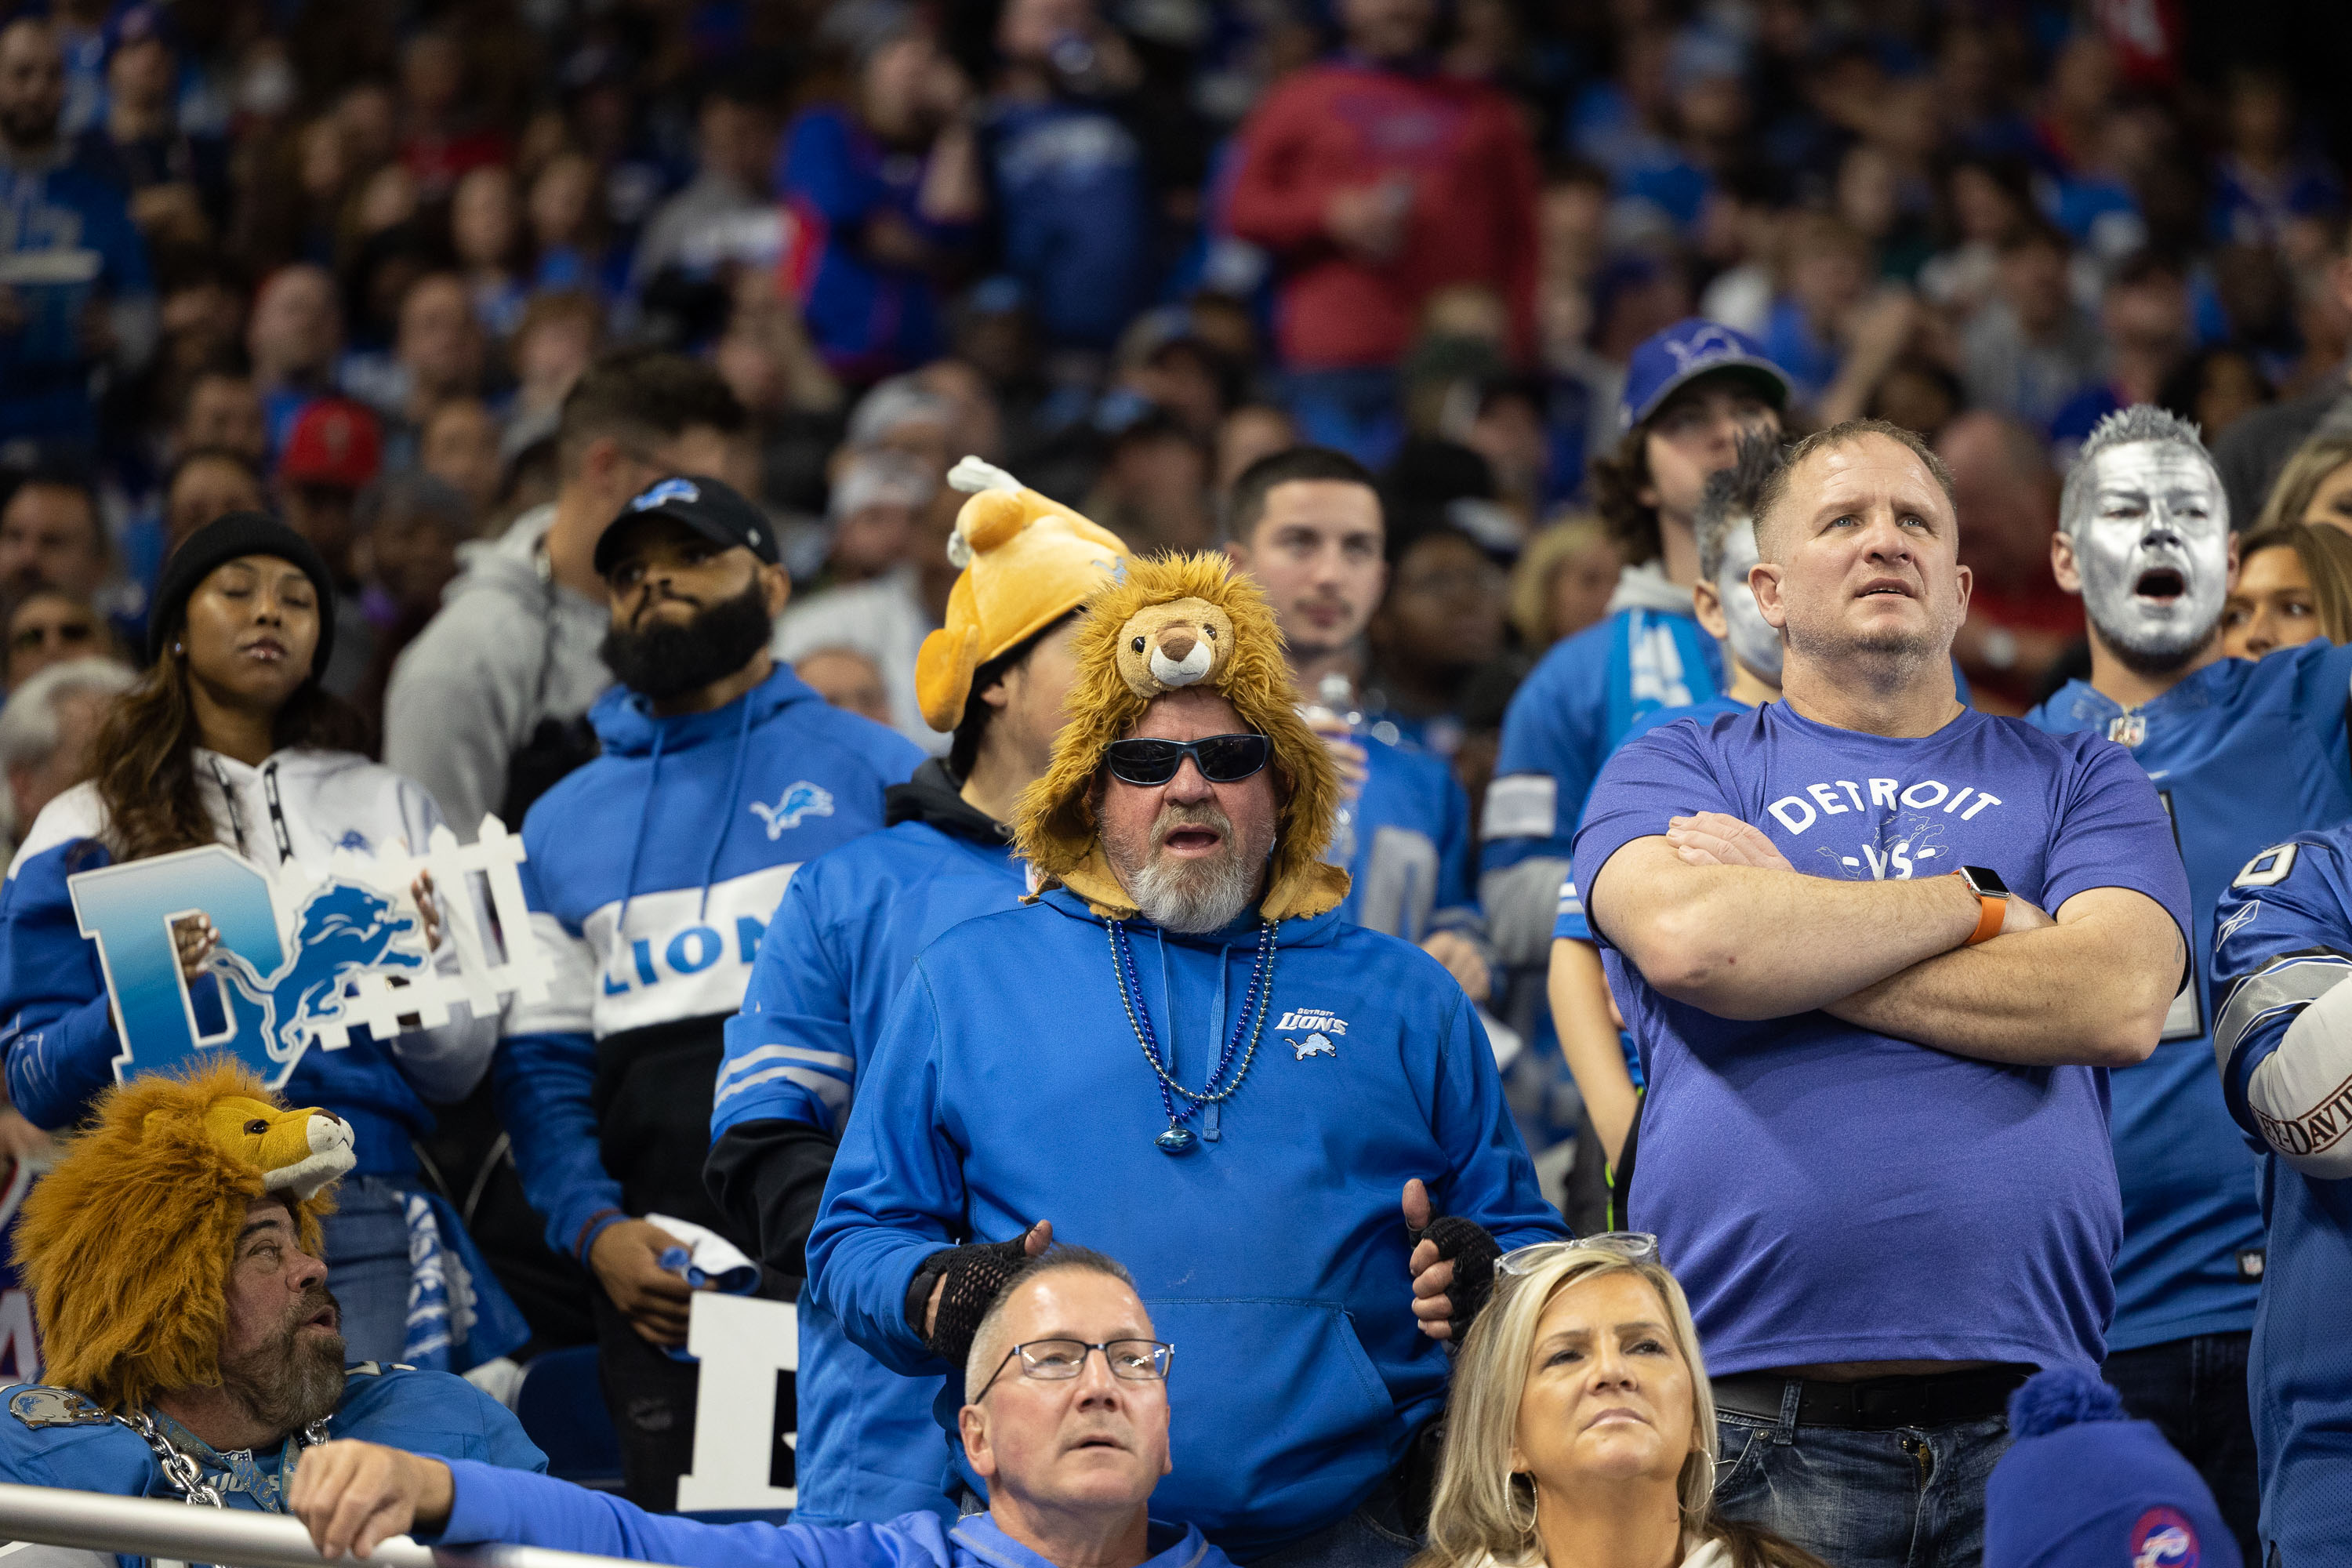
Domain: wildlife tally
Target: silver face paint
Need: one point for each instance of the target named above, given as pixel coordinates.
(1754, 642)
(2154, 551)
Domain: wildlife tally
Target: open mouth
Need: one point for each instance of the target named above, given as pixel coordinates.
(270, 650)
(325, 1318)
(1191, 839)
(2160, 582)
(1885, 587)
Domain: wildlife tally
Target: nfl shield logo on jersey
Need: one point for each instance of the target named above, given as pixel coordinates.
(2127, 729)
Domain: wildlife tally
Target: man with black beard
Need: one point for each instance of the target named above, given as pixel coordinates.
(652, 874)
(192, 1346)
(2245, 755)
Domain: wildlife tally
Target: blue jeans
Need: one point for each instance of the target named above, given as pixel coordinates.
(367, 1267)
(1911, 1498)
(1367, 1538)
(2195, 1392)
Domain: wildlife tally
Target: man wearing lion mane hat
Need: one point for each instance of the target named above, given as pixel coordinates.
(193, 1348)
(1178, 1053)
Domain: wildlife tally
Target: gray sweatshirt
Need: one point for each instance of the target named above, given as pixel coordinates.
(509, 648)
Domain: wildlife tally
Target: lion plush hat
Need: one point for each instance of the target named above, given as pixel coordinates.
(126, 1245)
(1178, 621)
(1027, 561)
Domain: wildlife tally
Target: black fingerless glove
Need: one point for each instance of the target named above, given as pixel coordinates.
(974, 1275)
(1465, 1243)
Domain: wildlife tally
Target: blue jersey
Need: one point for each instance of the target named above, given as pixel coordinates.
(1570, 713)
(489, 1506)
(1763, 1139)
(865, 317)
(652, 873)
(1407, 845)
(834, 956)
(2242, 756)
(2285, 941)
(1074, 214)
(59, 1438)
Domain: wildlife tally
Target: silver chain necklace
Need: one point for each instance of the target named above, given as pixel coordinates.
(185, 1476)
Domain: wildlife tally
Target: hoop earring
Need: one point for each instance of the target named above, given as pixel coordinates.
(1510, 1512)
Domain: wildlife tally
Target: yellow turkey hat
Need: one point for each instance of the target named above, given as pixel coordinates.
(1027, 561)
(126, 1244)
(1123, 664)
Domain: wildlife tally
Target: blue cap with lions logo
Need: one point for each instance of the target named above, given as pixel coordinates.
(712, 508)
(1671, 359)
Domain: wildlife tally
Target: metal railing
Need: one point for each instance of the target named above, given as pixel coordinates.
(233, 1538)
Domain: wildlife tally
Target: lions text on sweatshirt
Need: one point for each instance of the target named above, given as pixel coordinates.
(652, 874)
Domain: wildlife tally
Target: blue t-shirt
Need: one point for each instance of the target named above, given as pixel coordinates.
(2243, 755)
(1830, 1194)
(2286, 940)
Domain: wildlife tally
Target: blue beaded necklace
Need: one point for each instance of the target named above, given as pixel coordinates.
(1179, 1138)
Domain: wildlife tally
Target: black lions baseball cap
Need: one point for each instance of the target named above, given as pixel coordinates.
(712, 508)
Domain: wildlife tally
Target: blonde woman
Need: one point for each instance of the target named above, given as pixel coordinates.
(1581, 1432)
(2314, 486)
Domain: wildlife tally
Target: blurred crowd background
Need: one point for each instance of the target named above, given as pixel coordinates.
(344, 259)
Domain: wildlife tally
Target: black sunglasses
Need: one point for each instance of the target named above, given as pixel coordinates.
(1221, 758)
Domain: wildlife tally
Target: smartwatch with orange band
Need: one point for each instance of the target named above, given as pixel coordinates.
(1992, 895)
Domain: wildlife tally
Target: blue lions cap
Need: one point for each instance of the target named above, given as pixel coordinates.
(712, 508)
(1670, 360)
(2084, 1485)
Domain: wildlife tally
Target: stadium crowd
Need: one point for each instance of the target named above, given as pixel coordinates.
(1738, 615)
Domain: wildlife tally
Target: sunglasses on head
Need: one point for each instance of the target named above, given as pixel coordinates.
(1221, 758)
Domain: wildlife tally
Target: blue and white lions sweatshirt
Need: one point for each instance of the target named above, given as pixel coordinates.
(652, 875)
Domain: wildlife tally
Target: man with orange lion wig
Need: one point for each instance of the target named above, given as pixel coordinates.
(193, 1349)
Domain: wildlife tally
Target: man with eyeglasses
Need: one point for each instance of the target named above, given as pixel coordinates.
(1180, 1054)
(1066, 1413)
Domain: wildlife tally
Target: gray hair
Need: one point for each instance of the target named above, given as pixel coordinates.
(2127, 428)
(28, 723)
(988, 1347)
(900, 400)
(1730, 501)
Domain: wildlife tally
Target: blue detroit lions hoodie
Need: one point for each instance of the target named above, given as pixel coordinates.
(1008, 1087)
(652, 875)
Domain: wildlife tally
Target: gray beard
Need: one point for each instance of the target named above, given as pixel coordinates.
(289, 1382)
(1192, 900)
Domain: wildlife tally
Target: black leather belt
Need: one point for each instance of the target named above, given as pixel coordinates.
(1877, 1403)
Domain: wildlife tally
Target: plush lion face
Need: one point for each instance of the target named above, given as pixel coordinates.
(298, 1152)
(1179, 644)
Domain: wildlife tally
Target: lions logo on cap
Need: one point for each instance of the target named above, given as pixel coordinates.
(665, 492)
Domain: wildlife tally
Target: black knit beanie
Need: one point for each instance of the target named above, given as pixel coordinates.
(227, 539)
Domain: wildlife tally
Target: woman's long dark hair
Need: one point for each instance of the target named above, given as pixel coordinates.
(143, 759)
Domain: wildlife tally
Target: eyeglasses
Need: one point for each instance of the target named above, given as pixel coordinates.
(1633, 1245)
(1059, 1361)
(1221, 758)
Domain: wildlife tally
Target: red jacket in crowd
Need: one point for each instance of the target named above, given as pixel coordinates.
(1459, 149)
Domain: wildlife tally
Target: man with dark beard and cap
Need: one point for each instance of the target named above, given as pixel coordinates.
(193, 1348)
(2246, 755)
(653, 871)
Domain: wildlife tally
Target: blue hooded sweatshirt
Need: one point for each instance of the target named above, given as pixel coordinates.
(835, 957)
(1009, 1087)
(489, 1505)
(651, 876)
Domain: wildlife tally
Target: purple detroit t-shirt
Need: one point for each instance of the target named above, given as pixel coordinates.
(1828, 1193)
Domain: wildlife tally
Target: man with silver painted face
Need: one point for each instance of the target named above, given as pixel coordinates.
(2246, 755)
(1606, 1072)
(2143, 536)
